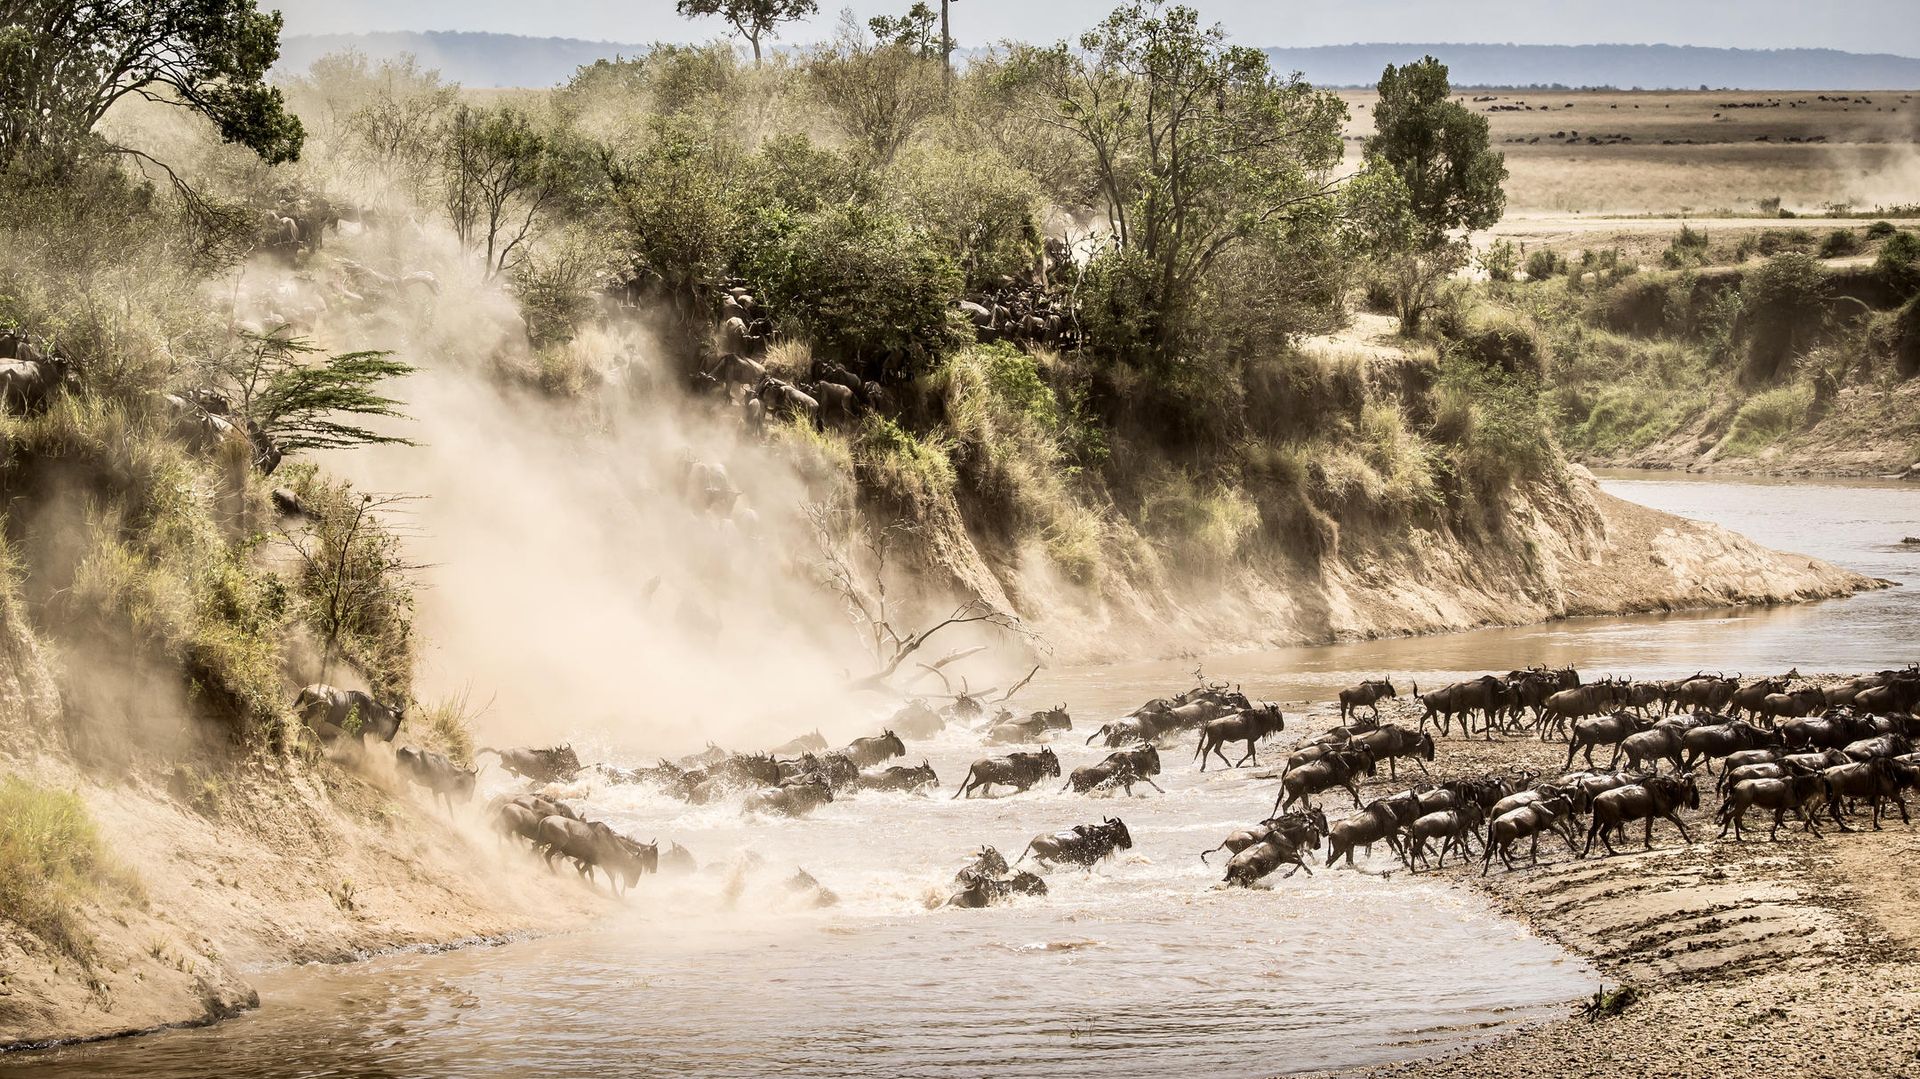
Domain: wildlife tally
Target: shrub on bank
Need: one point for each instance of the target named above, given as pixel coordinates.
(52, 863)
(1768, 417)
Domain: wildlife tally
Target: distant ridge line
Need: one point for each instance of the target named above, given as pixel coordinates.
(481, 59)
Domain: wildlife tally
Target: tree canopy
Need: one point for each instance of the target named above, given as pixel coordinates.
(1439, 148)
(750, 19)
(66, 64)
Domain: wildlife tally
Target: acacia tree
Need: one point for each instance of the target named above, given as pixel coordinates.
(1196, 146)
(1430, 175)
(66, 63)
(750, 19)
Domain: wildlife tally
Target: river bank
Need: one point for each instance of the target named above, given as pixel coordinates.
(1797, 956)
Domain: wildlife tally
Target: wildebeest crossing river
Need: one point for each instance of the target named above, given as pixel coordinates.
(1138, 967)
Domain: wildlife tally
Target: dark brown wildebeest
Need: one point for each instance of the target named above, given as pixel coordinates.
(1874, 780)
(1304, 830)
(1017, 770)
(1452, 826)
(332, 712)
(806, 743)
(1830, 731)
(593, 845)
(1527, 822)
(1717, 740)
(872, 750)
(1486, 694)
(1705, 692)
(1571, 704)
(1658, 744)
(1341, 768)
(1122, 768)
(550, 765)
(983, 890)
(1885, 745)
(1256, 861)
(1030, 727)
(1608, 730)
(899, 778)
(437, 773)
(794, 800)
(1795, 792)
(1367, 695)
(1391, 743)
(915, 719)
(1249, 727)
(1804, 701)
(1748, 697)
(1084, 844)
(1655, 797)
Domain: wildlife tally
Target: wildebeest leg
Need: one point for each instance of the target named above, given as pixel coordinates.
(1680, 824)
(1250, 755)
(1353, 788)
(1148, 780)
(1779, 815)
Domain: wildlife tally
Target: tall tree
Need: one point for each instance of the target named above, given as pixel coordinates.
(66, 63)
(880, 92)
(1198, 148)
(750, 19)
(1440, 149)
(1430, 175)
(504, 176)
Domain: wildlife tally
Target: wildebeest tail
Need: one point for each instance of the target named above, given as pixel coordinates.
(964, 781)
(1023, 854)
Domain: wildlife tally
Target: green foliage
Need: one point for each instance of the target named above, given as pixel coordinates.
(889, 459)
(981, 207)
(1898, 263)
(1545, 263)
(1880, 230)
(1499, 261)
(1839, 243)
(52, 863)
(1202, 527)
(879, 94)
(1783, 302)
(504, 174)
(1688, 249)
(300, 404)
(67, 64)
(1767, 417)
(1439, 149)
(863, 285)
(676, 224)
(1196, 149)
(917, 30)
(354, 588)
(1494, 422)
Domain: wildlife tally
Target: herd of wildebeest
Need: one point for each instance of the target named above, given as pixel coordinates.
(1785, 746)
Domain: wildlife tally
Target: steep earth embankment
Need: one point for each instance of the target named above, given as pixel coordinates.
(230, 867)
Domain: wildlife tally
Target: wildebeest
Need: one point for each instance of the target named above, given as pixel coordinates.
(1720, 739)
(1262, 858)
(1122, 769)
(1367, 694)
(1608, 730)
(793, 800)
(1660, 743)
(1380, 821)
(592, 845)
(915, 719)
(550, 765)
(1885, 745)
(1804, 701)
(1030, 727)
(1794, 792)
(1301, 829)
(1248, 727)
(1588, 700)
(1748, 697)
(1527, 822)
(1705, 692)
(1874, 780)
(26, 385)
(437, 773)
(1341, 768)
(1390, 743)
(1083, 844)
(1655, 797)
(987, 861)
(1486, 694)
(873, 750)
(1020, 770)
(332, 712)
(1451, 826)
(1830, 731)
(982, 890)
(899, 778)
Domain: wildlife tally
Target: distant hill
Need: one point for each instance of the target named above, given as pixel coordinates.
(475, 59)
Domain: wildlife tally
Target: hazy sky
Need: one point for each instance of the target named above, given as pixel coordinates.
(1862, 26)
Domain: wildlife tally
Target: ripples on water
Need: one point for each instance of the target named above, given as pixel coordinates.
(1140, 967)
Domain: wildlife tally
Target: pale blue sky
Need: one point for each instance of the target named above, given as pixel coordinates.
(1858, 26)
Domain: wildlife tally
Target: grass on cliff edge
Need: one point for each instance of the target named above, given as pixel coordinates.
(51, 861)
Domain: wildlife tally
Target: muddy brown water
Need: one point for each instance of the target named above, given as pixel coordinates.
(1139, 967)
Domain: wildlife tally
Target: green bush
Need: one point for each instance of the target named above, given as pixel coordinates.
(1839, 244)
(1767, 417)
(1782, 303)
(1880, 230)
(52, 863)
(1544, 263)
(891, 460)
(1687, 250)
(1898, 263)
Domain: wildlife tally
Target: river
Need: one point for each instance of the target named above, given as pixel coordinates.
(1140, 967)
